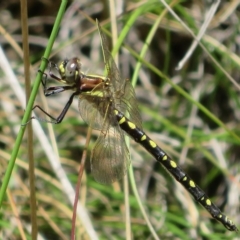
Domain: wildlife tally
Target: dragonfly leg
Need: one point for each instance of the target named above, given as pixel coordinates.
(56, 120)
(55, 90)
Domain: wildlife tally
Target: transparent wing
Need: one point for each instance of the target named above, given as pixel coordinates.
(126, 102)
(123, 93)
(96, 110)
(112, 70)
(110, 156)
(89, 109)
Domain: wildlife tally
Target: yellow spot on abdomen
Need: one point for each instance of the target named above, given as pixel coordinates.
(152, 143)
(192, 183)
(208, 202)
(116, 112)
(122, 120)
(131, 125)
(185, 179)
(173, 164)
(164, 158)
(143, 138)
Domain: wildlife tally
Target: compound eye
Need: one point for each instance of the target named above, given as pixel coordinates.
(72, 70)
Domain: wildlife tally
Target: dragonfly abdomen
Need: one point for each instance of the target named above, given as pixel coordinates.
(199, 195)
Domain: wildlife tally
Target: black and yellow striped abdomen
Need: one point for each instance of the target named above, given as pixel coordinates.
(200, 196)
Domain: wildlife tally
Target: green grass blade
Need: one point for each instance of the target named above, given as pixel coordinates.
(31, 101)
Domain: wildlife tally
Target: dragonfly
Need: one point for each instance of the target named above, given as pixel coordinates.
(108, 104)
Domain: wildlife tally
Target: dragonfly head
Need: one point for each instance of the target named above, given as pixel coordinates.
(69, 70)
